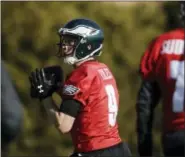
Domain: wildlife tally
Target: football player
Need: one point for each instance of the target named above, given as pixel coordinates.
(162, 72)
(90, 96)
(11, 111)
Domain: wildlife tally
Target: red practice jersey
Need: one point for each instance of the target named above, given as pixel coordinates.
(95, 127)
(163, 62)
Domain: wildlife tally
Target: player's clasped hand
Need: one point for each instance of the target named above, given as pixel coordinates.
(45, 81)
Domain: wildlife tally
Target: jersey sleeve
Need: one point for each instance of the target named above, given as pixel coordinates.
(77, 86)
(149, 60)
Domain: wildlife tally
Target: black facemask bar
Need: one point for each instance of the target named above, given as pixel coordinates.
(68, 38)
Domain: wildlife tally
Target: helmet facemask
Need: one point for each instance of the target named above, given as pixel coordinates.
(67, 48)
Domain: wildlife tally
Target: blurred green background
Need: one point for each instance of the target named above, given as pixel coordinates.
(29, 37)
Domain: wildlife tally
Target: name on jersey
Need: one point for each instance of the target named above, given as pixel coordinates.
(105, 73)
(174, 46)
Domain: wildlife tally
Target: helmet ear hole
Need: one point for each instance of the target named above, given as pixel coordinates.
(89, 47)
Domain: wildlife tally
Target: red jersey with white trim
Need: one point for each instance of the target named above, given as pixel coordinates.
(95, 127)
(163, 62)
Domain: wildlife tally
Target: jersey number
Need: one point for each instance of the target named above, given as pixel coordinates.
(177, 73)
(112, 104)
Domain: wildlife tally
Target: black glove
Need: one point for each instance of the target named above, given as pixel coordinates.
(45, 81)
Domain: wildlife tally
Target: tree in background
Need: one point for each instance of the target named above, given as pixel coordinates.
(29, 41)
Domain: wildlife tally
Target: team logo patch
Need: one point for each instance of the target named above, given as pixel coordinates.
(70, 90)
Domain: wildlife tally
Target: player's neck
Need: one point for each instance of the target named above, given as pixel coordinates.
(79, 63)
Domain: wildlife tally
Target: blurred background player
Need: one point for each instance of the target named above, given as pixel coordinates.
(162, 71)
(11, 111)
(90, 95)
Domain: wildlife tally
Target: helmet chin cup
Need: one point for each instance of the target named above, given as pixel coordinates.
(70, 60)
